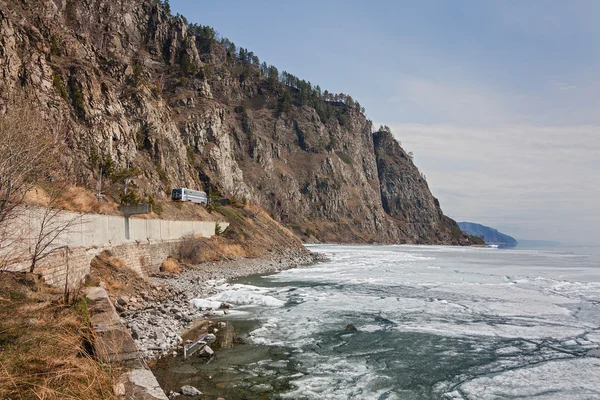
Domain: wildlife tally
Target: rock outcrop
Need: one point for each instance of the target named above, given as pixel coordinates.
(140, 93)
(405, 196)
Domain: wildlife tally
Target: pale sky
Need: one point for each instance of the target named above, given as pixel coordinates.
(498, 100)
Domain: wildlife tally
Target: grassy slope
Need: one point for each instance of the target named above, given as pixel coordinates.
(252, 233)
(44, 344)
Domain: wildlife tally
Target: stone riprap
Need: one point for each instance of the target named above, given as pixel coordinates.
(157, 319)
(113, 344)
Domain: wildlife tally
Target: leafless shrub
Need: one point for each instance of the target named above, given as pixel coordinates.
(29, 149)
(190, 250)
(51, 224)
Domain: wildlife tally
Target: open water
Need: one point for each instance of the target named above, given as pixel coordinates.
(431, 322)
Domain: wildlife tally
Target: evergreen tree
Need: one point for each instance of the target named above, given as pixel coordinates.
(285, 103)
(272, 77)
(166, 7)
(243, 55)
(249, 57)
(290, 88)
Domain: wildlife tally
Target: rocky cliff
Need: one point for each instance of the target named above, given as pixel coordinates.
(158, 104)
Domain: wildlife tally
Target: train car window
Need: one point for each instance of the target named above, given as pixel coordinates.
(176, 194)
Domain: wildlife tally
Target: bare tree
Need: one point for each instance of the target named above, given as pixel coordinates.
(51, 226)
(29, 147)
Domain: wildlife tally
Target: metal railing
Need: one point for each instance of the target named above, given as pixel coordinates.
(191, 348)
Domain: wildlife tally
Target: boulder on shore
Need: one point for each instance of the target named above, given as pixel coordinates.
(188, 390)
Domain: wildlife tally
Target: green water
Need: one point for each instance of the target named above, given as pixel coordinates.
(432, 323)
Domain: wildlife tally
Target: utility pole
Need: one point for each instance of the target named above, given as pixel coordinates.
(126, 180)
(99, 195)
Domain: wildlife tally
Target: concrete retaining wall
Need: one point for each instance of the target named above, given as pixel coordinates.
(97, 230)
(142, 243)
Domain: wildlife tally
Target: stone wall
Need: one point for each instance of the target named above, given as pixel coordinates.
(73, 264)
(113, 344)
(145, 258)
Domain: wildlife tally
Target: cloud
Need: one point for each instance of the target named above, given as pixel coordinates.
(458, 102)
(537, 182)
(566, 99)
(524, 159)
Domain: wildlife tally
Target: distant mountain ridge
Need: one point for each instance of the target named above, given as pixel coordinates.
(489, 235)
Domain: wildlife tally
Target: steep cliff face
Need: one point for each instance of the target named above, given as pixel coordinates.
(406, 197)
(135, 91)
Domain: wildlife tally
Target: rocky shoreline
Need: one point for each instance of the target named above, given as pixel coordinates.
(157, 318)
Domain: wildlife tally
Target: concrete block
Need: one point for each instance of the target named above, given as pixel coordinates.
(136, 209)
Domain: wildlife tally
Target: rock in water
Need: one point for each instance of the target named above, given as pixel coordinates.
(188, 390)
(209, 338)
(207, 351)
(262, 388)
(350, 328)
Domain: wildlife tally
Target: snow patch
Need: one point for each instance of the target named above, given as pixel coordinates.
(205, 303)
(248, 298)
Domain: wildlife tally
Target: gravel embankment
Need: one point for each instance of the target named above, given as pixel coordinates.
(157, 318)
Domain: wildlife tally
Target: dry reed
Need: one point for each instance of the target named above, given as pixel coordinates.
(45, 348)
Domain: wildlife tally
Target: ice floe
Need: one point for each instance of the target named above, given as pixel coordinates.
(433, 321)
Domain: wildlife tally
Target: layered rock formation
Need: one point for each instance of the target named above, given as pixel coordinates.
(133, 90)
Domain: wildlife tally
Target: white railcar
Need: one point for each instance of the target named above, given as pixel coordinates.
(184, 194)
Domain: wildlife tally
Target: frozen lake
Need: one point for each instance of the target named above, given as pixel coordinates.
(431, 323)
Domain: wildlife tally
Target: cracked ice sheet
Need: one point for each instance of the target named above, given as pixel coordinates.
(550, 380)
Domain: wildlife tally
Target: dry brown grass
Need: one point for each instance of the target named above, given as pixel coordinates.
(194, 250)
(252, 233)
(171, 265)
(113, 272)
(233, 251)
(73, 198)
(44, 345)
(79, 199)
